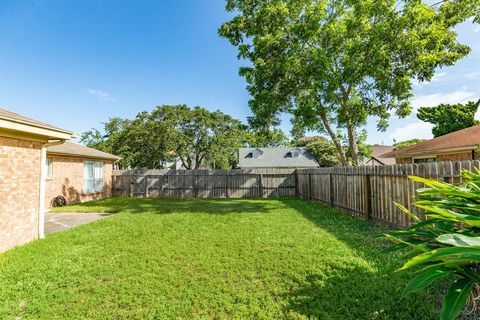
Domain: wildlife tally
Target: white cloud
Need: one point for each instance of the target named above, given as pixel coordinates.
(101, 95)
(418, 130)
(472, 75)
(437, 77)
(432, 100)
(477, 29)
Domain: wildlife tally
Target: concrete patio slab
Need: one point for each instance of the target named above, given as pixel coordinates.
(55, 222)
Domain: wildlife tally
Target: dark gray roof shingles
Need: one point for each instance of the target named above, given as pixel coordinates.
(276, 158)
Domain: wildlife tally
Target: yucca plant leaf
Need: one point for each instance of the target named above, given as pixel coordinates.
(426, 277)
(458, 240)
(430, 183)
(407, 212)
(413, 245)
(456, 298)
(447, 242)
(438, 254)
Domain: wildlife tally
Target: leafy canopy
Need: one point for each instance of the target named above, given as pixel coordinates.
(195, 135)
(406, 143)
(324, 152)
(332, 64)
(449, 117)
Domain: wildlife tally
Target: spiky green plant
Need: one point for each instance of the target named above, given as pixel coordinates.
(447, 243)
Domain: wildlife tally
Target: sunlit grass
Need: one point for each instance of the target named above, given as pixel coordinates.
(166, 258)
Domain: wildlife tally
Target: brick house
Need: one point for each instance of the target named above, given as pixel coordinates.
(23, 144)
(78, 173)
(455, 146)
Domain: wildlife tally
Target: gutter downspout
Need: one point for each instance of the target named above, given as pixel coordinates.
(43, 178)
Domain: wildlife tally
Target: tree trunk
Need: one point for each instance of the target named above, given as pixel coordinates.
(352, 143)
(335, 140)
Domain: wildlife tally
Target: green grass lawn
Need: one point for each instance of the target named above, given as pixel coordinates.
(209, 259)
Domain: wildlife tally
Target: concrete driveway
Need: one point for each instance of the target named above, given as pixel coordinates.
(55, 222)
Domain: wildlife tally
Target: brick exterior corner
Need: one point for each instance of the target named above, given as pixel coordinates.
(19, 191)
(67, 180)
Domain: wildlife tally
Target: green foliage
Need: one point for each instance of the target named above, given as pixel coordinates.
(449, 117)
(265, 138)
(197, 136)
(209, 259)
(324, 152)
(406, 143)
(332, 64)
(447, 243)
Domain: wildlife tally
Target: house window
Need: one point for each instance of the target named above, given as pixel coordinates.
(425, 160)
(92, 176)
(254, 154)
(295, 153)
(49, 168)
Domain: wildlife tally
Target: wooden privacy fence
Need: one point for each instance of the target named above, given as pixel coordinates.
(370, 191)
(205, 183)
(367, 191)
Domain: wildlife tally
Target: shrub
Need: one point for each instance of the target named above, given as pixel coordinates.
(447, 243)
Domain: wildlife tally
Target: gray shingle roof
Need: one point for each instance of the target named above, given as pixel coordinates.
(15, 117)
(73, 149)
(276, 158)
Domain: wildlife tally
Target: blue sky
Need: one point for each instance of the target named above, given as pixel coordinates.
(77, 63)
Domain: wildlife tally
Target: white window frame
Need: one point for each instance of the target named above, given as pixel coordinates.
(96, 183)
(423, 158)
(49, 170)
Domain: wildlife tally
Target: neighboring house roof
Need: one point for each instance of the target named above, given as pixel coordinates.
(18, 118)
(378, 151)
(74, 149)
(275, 158)
(465, 139)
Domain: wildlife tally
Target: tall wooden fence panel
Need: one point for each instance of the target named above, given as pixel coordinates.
(368, 191)
(205, 183)
(371, 191)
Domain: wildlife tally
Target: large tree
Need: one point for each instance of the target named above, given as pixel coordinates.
(334, 63)
(449, 117)
(198, 136)
(195, 135)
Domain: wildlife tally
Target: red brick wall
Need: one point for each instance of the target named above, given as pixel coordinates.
(455, 156)
(67, 180)
(403, 160)
(19, 191)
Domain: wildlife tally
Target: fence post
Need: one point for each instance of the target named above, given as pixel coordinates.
(330, 188)
(227, 191)
(194, 185)
(368, 195)
(296, 182)
(261, 185)
(309, 186)
(131, 185)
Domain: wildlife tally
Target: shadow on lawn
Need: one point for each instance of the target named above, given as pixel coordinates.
(173, 205)
(355, 291)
